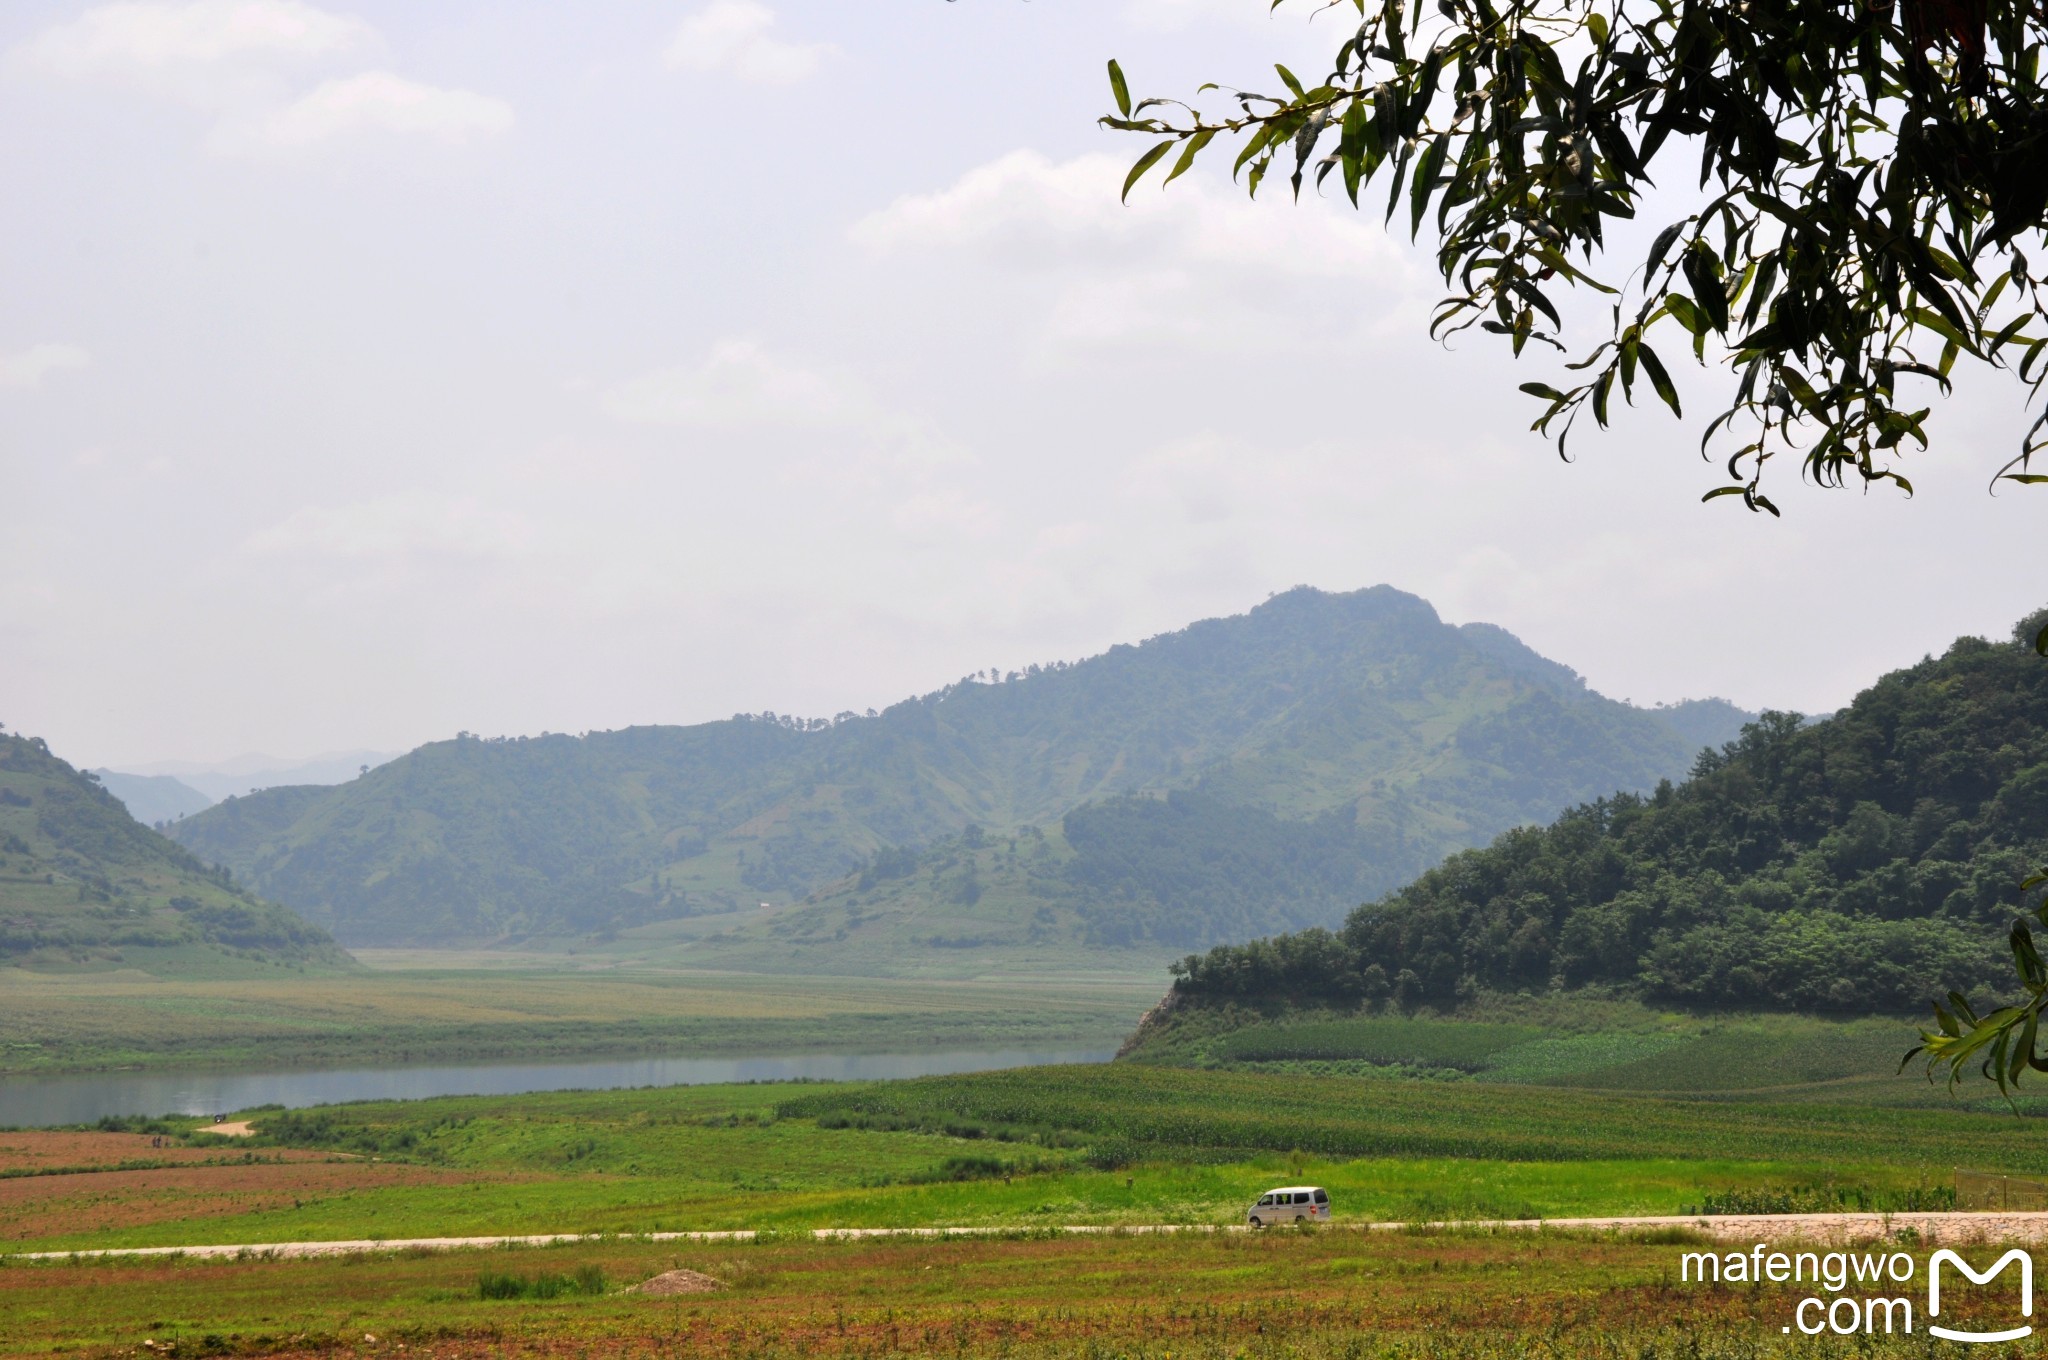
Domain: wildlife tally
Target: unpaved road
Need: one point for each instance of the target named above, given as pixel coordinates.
(1932, 1229)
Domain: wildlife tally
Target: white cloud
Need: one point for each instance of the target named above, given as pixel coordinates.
(944, 513)
(152, 36)
(739, 385)
(1197, 263)
(29, 367)
(235, 57)
(817, 431)
(1028, 210)
(733, 37)
(375, 102)
(410, 524)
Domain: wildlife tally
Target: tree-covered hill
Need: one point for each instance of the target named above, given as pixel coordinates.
(1860, 863)
(1365, 714)
(83, 884)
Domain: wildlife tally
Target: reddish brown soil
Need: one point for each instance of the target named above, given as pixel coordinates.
(49, 1206)
(36, 1150)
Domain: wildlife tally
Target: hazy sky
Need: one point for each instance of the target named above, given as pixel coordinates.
(374, 371)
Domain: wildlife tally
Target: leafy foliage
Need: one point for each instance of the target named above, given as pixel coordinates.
(1851, 864)
(83, 883)
(1310, 705)
(2005, 1043)
(584, 1279)
(1864, 202)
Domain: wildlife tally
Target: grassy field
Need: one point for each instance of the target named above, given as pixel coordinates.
(1281, 1296)
(1029, 1147)
(1025, 1152)
(529, 1009)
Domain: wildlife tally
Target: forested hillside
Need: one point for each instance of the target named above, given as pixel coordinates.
(1861, 863)
(1361, 722)
(83, 884)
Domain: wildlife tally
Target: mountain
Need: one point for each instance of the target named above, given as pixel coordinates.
(1362, 717)
(83, 884)
(1865, 862)
(153, 798)
(249, 772)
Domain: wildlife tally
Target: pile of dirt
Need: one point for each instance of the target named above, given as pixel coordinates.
(676, 1282)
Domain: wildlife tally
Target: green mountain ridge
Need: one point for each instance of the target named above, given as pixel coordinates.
(84, 885)
(1864, 863)
(1415, 736)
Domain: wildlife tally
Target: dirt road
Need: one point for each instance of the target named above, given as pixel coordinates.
(1931, 1228)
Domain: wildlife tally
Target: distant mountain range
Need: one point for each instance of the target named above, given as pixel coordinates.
(153, 799)
(1263, 771)
(170, 789)
(84, 885)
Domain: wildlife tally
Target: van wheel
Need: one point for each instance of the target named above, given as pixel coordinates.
(1256, 1223)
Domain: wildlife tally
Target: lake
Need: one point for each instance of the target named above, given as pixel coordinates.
(40, 1101)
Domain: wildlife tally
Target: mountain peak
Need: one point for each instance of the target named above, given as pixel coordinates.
(1361, 705)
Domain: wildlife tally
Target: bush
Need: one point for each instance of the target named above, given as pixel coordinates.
(588, 1280)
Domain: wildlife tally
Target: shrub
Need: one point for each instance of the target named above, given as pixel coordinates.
(583, 1280)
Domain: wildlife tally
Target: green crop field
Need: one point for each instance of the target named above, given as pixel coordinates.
(1599, 1045)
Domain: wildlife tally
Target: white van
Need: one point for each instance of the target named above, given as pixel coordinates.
(1290, 1204)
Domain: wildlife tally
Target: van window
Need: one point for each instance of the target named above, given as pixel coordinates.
(1265, 1201)
(1322, 1197)
(1301, 1197)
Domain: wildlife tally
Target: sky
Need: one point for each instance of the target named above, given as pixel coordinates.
(374, 371)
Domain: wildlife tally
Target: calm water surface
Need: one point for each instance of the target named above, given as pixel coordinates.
(36, 1101)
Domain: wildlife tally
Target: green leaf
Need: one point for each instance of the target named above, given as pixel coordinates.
(1292, 84)
(1253, 145)
(1145, 162)
(1659, 379)
(1680, 306)
(1424, 184)
(1661, 245)
(1707, 289)
(1543, 390)
(1940, 325)
(1118, 88)
(1187, 157)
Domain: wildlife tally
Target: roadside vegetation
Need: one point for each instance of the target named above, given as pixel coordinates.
(1293, 1295)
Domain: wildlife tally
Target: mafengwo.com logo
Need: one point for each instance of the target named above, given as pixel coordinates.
(1867, 1293)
